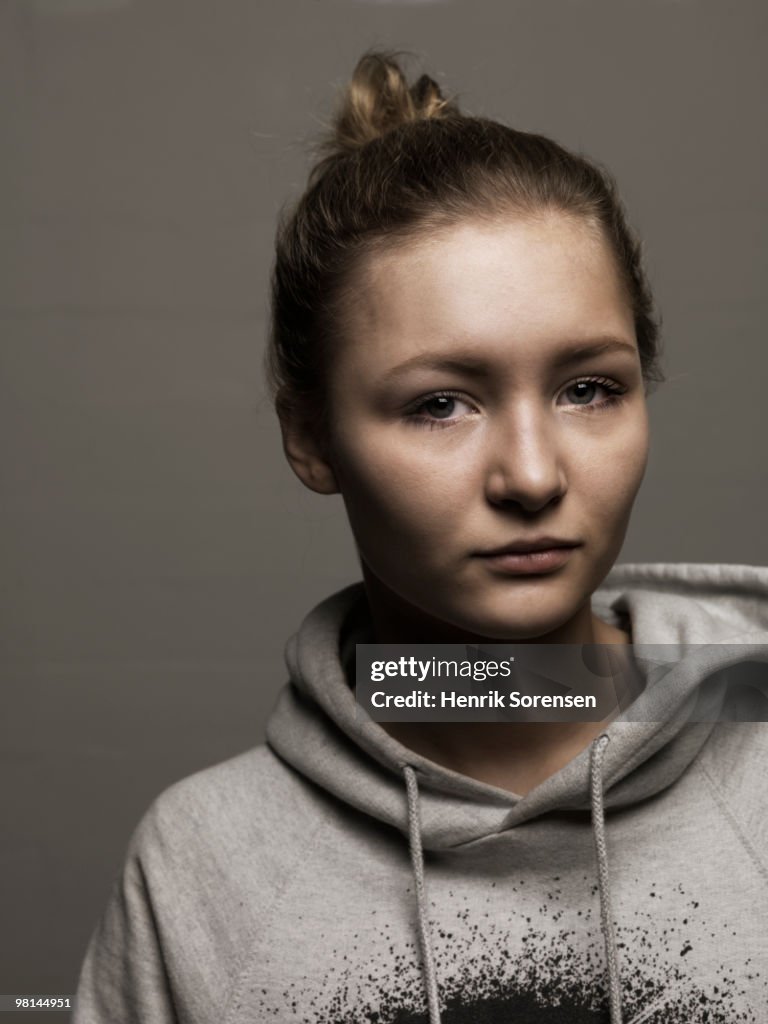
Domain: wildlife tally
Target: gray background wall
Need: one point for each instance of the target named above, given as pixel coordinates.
(156, 550)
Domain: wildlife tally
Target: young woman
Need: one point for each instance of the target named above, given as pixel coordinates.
(463, 341)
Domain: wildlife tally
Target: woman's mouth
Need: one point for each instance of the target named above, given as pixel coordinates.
(523, 563)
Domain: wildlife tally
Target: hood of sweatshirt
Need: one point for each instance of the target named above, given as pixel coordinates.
(710, 611)
(320, 729)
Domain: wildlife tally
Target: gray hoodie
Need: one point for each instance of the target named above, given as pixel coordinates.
(332, 875)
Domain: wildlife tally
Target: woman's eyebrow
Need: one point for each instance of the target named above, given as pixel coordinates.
(477, 366)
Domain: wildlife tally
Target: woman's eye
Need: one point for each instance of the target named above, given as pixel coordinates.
(438, 410)
(585, 391)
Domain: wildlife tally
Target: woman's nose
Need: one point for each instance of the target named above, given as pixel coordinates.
(524, 463)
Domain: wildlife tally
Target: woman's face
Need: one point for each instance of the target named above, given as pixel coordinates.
(467, 416)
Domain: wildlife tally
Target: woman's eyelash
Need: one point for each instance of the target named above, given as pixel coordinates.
(615, 395)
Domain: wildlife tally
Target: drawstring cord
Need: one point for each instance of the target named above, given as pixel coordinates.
(606, 917)
(603, 882)
(417, 860)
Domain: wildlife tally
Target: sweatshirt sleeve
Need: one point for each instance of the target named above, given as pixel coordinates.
(124, 977)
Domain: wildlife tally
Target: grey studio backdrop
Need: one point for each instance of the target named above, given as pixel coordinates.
(157, 551)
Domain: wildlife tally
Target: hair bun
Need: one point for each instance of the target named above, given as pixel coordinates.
(378, 99)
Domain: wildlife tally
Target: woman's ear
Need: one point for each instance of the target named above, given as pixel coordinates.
(305, 451)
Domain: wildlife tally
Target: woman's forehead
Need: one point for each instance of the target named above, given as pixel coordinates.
(544, 281)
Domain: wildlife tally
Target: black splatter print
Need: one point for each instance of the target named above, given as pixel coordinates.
(537, 970)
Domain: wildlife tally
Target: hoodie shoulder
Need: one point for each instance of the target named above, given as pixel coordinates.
(733, 765)
(237, 805)
(226, 837)
(202, 871)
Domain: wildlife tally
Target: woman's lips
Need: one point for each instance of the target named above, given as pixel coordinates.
(531, 562)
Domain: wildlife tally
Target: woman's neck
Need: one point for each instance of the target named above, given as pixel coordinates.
(516, 756)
